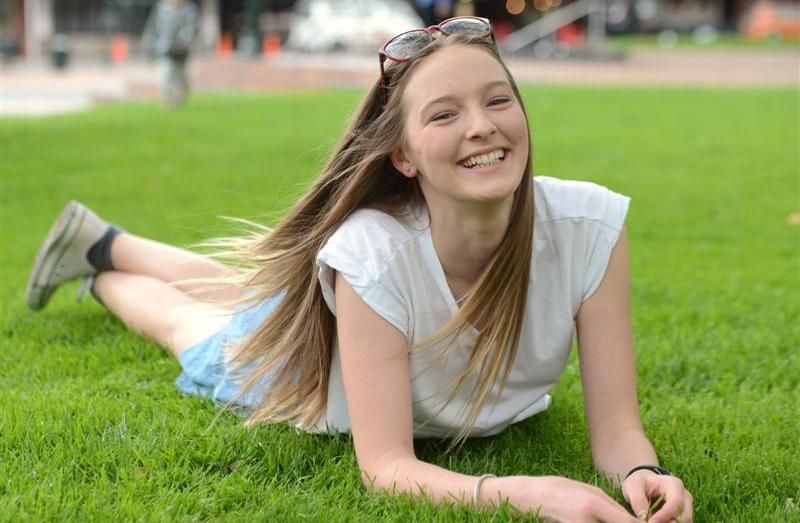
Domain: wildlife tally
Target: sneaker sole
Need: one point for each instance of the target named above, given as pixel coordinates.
(50, 253)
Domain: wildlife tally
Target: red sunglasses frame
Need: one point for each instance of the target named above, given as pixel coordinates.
(383, 55)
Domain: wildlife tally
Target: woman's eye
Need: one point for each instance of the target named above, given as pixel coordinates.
(499, 101)
(441, 116)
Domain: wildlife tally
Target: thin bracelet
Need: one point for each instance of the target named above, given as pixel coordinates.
(661, 471)
(477, 489)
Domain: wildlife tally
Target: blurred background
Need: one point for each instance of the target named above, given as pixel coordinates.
(70, 53)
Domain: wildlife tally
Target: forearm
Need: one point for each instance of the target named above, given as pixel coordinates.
(616, 454)
(551, 497)
(418, 478)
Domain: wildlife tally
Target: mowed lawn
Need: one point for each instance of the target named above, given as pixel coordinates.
(92, 428)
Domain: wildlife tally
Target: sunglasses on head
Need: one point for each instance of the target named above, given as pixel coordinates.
(407, 46)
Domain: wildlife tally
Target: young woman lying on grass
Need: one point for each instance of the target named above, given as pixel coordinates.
(427, 285)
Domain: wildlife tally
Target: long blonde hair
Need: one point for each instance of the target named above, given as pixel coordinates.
(295, 344)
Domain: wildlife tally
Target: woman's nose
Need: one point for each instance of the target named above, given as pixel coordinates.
(480, 125)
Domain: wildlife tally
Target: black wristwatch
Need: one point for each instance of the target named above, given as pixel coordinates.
(661, 471)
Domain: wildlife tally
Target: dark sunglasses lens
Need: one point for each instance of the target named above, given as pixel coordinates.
(407, 45)
(467, 26)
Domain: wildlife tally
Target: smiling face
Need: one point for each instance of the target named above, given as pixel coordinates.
(465, 133)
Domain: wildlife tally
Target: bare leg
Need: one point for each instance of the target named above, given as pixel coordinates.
(137, 255)
(157, 310)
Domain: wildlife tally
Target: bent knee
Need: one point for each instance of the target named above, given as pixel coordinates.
(190, 323)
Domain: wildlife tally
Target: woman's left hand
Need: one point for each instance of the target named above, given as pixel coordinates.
(643, 487)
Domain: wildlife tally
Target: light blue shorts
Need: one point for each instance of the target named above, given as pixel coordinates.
(205, 372)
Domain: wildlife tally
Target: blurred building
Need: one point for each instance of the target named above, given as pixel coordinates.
(105, 30)
(634, 16)
(109, 30)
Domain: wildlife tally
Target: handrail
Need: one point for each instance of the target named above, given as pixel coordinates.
(550, 23)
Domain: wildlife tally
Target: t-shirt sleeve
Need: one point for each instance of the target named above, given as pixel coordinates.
(603, 230)
(362, 256)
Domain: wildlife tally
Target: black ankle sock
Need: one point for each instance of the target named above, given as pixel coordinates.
(99, 254)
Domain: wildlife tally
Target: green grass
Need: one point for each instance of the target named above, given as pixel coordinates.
(685, 41)
(724, 42)
(92, 427)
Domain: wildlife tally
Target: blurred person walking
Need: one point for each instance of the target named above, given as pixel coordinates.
(168, 35)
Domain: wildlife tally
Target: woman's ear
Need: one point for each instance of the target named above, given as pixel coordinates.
(402, 163)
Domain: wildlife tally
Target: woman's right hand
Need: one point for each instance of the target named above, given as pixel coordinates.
(557, 499)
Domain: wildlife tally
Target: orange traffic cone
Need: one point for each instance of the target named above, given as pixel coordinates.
(224, 45)
(119, 49)
(271, 45)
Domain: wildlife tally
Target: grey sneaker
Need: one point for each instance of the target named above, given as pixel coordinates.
(62, 256)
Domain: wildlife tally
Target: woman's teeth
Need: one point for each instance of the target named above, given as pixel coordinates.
(482, 160)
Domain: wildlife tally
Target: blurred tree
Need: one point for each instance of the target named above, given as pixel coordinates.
(729, 14)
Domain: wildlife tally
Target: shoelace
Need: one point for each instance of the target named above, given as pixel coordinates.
(86, 286)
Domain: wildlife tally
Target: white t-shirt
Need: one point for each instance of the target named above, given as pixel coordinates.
(393, 266)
